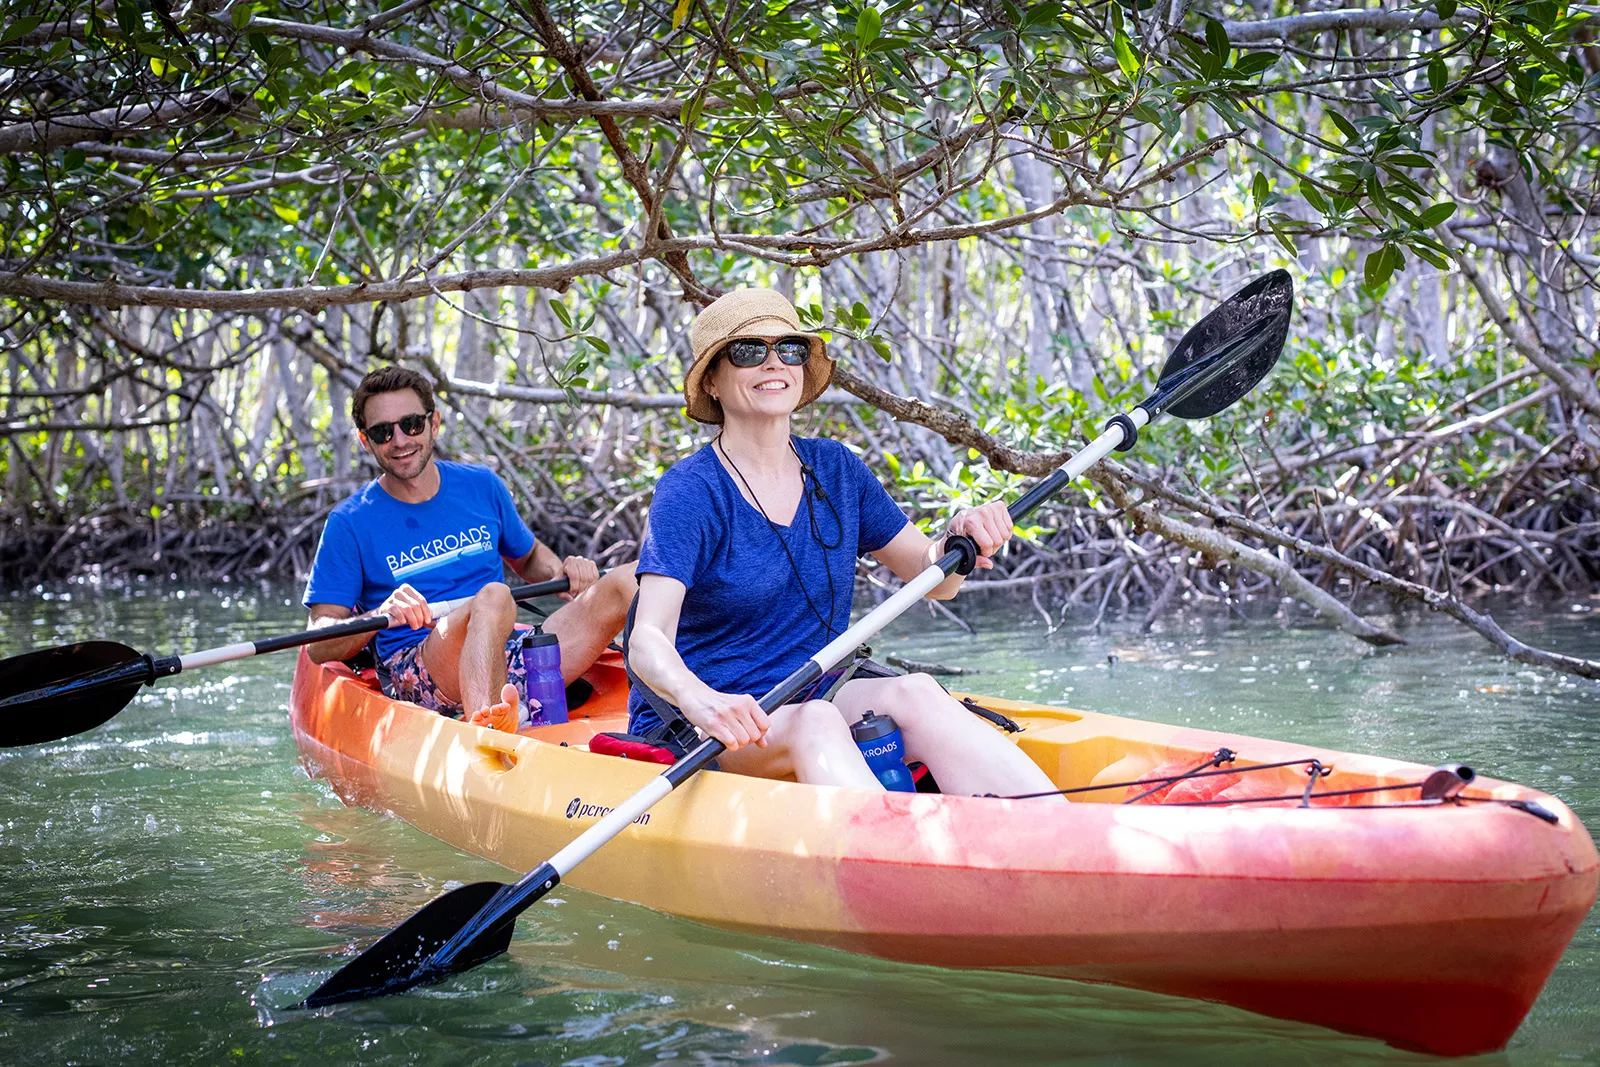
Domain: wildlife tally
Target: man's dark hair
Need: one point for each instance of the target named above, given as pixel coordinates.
(389, 380)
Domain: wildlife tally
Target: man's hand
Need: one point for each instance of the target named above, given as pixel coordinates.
(580, 574)
(407, 607)
(989, 526)
(735, 719)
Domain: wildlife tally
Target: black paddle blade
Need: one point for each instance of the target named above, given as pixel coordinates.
(61, 691)
(1225, 354)
(403, 957)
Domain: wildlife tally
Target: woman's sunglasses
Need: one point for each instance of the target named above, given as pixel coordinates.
(752, 351)
(380, 432)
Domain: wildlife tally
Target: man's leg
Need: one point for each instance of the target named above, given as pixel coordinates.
(586, 624)
(466, 652)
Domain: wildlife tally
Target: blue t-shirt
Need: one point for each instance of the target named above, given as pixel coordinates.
(446, 547)
(745, 623)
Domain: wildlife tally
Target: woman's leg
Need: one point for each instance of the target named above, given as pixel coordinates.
(965, 754)
(810, 741)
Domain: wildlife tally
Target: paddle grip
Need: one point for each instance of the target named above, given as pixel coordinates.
(1130, 431)
(968, 549)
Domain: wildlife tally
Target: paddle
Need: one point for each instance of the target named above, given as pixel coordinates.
(1218, 361)
(57, 692)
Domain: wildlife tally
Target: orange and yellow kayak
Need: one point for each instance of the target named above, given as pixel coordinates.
(1430, 925)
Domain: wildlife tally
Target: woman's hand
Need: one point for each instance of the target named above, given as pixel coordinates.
(407, 607)
(989, 527)
(735, 719)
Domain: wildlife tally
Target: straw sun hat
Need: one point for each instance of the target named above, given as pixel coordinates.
(747, 313)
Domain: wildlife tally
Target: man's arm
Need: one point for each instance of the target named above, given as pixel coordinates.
(405, 607)
(541, 565)
(340, 648)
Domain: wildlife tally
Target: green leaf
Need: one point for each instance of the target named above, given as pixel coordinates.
(286, 213)
(241, 15)
(561, 313)
(881, 346)
(1126, 59)
(1436, 214)
(1283, 238)
(1442, 262)
(20, 27)
(1407, 159)
(1381, 265)
(73, 158)
(1547, 57)
(1314, 198)
(1346, 127)
(1445, 8)
(260, 45)
(1438, 74)
(129, 20)
(1259, 189)
(869, 24)
(1217, 39)
(860, 316)
(1254, 63)
(598, 343)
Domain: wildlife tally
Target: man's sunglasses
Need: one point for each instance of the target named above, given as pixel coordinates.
(752, 351)
(380, 432)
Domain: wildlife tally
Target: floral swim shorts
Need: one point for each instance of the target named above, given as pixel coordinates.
(408, 678)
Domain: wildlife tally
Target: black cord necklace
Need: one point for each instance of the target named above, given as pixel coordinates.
(816, 531)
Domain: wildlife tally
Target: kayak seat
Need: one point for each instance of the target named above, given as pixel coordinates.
(631, 746)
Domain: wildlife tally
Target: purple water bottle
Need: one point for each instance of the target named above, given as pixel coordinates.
(878, 738)
(544, 694)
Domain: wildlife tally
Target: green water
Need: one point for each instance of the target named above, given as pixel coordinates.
(169, 881)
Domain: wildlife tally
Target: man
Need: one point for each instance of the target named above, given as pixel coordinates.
(428, 530)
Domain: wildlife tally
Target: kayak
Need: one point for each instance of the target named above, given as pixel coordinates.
(1323, 886)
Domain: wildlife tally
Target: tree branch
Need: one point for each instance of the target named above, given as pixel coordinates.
(45, 134)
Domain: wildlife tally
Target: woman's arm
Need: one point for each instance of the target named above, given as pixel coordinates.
(735, 719)
(912, 551)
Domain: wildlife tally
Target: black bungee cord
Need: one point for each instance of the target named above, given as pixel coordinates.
(816, 530)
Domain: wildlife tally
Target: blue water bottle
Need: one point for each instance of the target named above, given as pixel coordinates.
(878, 738)
(544, 693)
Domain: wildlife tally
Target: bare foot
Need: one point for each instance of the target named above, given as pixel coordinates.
(504, 715)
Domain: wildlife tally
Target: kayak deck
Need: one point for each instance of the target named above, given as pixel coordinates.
(1429, 927)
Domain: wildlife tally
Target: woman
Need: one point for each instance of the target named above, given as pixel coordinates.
(749, 565)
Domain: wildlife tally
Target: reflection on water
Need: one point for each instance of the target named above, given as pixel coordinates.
(173, 879)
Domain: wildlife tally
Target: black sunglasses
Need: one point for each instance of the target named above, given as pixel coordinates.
(752, 351)
(380, 432)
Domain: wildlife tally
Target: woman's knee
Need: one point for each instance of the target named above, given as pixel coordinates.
(913, 698)
(816, 722)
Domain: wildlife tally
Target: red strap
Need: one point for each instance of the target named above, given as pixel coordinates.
(629, 746)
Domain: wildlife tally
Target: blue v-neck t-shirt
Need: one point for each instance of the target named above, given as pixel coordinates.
(745, 623)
